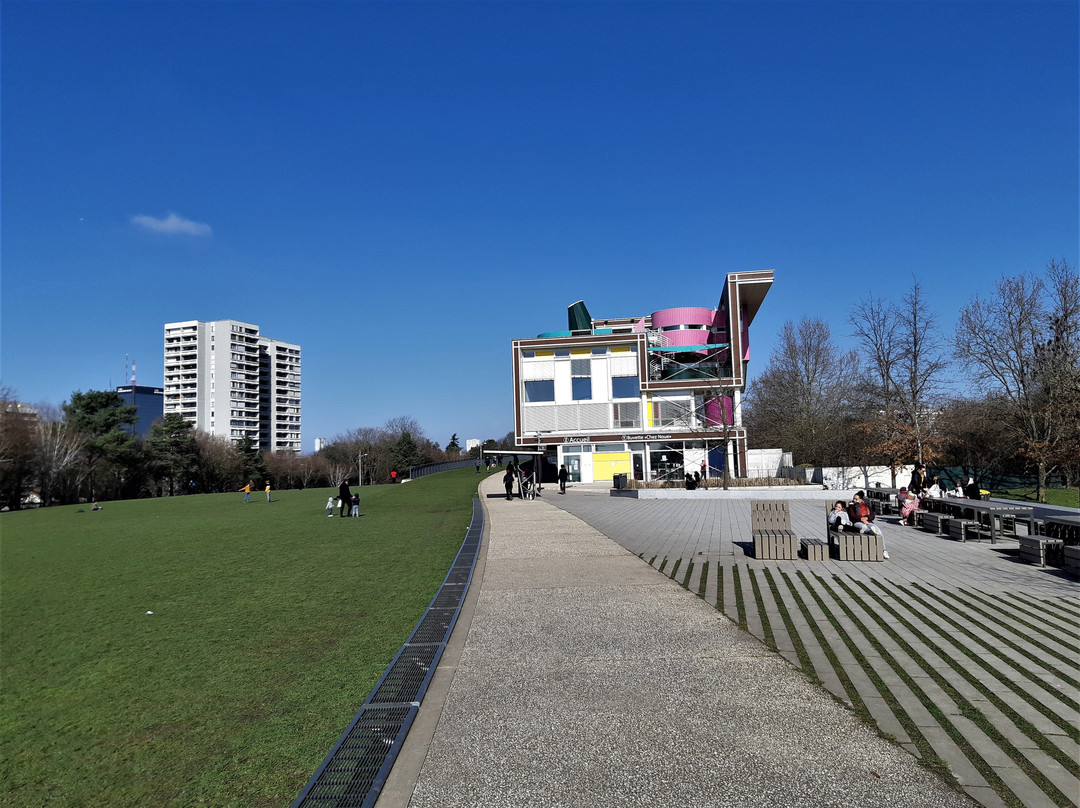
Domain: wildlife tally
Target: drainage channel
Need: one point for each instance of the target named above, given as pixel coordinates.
(353, 774)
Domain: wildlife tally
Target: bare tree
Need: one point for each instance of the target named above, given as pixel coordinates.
(17, 425)
(338, 473)
(906, 363)
(1021, 343)
(803, 398)
(59, 446)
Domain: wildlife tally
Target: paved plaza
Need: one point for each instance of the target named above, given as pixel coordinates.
(618, 652)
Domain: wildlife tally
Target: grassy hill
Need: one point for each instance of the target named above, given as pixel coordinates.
(270, 624)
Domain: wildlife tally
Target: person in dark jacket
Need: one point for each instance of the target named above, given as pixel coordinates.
(918, 480)
(508, 483)
(564, 475)
(345, 496)
(971, 490)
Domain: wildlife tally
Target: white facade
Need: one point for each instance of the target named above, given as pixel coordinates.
(656, 397)
(230, 381)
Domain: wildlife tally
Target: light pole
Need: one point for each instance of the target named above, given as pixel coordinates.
(360, 467)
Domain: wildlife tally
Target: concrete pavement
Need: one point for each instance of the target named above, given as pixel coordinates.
(580, 676)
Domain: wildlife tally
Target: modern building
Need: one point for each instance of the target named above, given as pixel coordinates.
(149, 403)
(654, 397)
(231, 381)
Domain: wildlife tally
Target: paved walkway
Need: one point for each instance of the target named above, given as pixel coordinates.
(960, 652)
(581, 676)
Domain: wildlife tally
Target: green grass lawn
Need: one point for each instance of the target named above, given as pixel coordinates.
(270, 625)
(1068, 497)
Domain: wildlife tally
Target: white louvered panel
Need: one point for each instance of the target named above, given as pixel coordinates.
(535, 371)
(595, 416)
(624, 365)
(566, 417)
(538, 419)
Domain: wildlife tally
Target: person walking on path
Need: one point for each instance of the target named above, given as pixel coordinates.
(329, 507)
(345, 496)
(356, 505)
(247, 491)
(564, 475)
(508, 483)
(267, 490)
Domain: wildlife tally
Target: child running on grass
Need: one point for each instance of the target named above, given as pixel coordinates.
(329, 507)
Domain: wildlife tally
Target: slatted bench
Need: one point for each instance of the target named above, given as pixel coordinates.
(964, 529)
(770, 524)
(852, 545)
(1070, 560)
(859, 547)
(813, 549)
(1040, 550)
(936, 523)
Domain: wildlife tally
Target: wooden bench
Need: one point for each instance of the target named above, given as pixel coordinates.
(814, 549)
(851, 545)
(1070, 560)
(770, 524)
(1040, 550)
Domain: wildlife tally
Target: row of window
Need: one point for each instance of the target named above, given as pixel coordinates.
(581, 387)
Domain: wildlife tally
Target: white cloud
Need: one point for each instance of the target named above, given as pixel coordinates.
(172, 224)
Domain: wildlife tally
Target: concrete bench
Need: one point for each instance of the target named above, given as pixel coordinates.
(770, 524)
(813, 549)
(1040, 550)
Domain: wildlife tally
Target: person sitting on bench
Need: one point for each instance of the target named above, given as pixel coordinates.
(862, 517)
(838, 516)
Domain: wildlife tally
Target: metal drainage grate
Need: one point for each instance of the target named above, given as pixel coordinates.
(408, 675)
(353, 774)
(356, 770)
(434, 627)
(459, 575)
(449, 596)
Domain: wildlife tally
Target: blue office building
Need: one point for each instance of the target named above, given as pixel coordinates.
(149, 403)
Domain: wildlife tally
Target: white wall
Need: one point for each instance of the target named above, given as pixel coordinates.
(764, 462)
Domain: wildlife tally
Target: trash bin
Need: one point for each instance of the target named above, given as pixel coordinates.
(620, 481)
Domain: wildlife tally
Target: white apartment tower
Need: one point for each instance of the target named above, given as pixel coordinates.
(230, 381)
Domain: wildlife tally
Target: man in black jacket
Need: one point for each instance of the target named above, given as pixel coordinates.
(345, 496)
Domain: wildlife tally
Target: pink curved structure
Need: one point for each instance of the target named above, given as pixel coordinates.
(719, 411)
(673, 323)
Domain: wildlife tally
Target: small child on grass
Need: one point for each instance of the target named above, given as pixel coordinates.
(329, 507)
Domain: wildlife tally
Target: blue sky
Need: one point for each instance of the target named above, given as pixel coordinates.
(403, 188)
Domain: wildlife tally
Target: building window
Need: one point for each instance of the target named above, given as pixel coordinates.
(582, 387)
(625, 387)
(540, 391)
